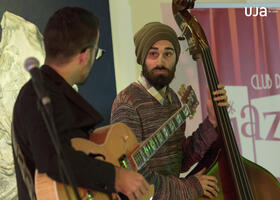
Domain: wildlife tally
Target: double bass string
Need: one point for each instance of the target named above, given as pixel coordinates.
(230, 143)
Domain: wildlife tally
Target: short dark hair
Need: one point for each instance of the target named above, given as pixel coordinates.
(68, 31)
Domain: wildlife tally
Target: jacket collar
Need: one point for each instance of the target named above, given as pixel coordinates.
(71, 94)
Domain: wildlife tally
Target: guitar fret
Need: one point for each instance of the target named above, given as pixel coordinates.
(175, 122)
(141, 158)
(156, 142)
(179, 119)
(185, 111)
(182, 115)
(165, 132)
(162, 134)
(141, 153)
(135, 156)
(171, 126)
(152, 144)
(149, 148)
(159, 138)
(146, 150)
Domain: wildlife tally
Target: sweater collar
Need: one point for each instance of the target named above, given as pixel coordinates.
(159, 95)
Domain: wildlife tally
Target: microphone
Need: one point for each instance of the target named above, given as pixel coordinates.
(31, 64)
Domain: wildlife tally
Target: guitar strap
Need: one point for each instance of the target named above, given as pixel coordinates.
(25, 173)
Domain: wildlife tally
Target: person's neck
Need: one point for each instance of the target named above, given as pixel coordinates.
(64, 70)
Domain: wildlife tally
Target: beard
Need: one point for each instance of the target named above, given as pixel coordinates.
(161, 80)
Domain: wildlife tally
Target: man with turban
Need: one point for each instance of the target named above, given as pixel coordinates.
(148, 102)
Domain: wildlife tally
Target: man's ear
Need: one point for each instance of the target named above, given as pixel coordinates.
(83, 57)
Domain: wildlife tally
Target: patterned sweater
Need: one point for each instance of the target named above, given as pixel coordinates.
(144, 114)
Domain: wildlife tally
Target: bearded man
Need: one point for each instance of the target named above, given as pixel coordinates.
(148, 102)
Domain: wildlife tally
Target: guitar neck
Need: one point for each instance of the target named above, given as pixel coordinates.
(152, 144)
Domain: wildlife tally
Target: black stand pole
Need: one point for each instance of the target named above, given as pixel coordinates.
(44, 104)
(46, 111)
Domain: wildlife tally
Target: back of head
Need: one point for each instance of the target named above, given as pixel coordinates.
(68, 31)
(150, 34)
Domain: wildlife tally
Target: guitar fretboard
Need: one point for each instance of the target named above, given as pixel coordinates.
(150, 146)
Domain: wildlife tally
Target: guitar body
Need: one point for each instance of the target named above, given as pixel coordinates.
(112, 142)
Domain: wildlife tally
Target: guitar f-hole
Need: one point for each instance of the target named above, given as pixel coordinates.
(93, 155)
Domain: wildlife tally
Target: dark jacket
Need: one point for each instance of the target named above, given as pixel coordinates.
(73, 117)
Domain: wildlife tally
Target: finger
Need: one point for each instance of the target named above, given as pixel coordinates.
(211, 179)
(146, 184)
(143, 190)
(115, 196)
(208, 194)
(119, 198)
(212, 190)
(131, 196)
(222, 104)
(212, 186)
(137, 194)
(221, 86)
(201, 171)
(219, 92)
(220, 98)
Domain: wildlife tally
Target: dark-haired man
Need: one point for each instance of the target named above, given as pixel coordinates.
(147, 103)
(71, 42)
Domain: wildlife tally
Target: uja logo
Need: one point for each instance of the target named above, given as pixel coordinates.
(257, 11)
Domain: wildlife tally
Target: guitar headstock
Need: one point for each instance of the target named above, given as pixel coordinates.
(188, 97)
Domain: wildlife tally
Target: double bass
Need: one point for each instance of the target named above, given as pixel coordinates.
(238, 178)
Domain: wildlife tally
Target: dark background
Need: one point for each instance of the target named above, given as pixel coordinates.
(100, 88)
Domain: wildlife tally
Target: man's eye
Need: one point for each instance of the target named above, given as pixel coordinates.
(168, 54)
(153, 54)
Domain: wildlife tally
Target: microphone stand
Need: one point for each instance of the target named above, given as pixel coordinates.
(44, 105)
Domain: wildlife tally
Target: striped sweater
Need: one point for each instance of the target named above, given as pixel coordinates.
(138, 109)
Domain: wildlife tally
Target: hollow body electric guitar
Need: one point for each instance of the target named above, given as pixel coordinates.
(118, 145)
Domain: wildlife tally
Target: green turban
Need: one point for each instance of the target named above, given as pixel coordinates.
(150, 34)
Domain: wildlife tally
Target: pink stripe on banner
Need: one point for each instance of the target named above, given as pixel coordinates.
(277, 16)
(264, 46)
(213, 41)
(257, 50)
(256, 46)
(235, 46)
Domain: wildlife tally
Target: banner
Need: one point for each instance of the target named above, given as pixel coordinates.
(245, 51)
(245, 47)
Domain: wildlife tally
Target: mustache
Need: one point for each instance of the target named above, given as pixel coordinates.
(160, 68)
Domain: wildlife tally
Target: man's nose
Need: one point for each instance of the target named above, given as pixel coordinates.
(161, 60)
